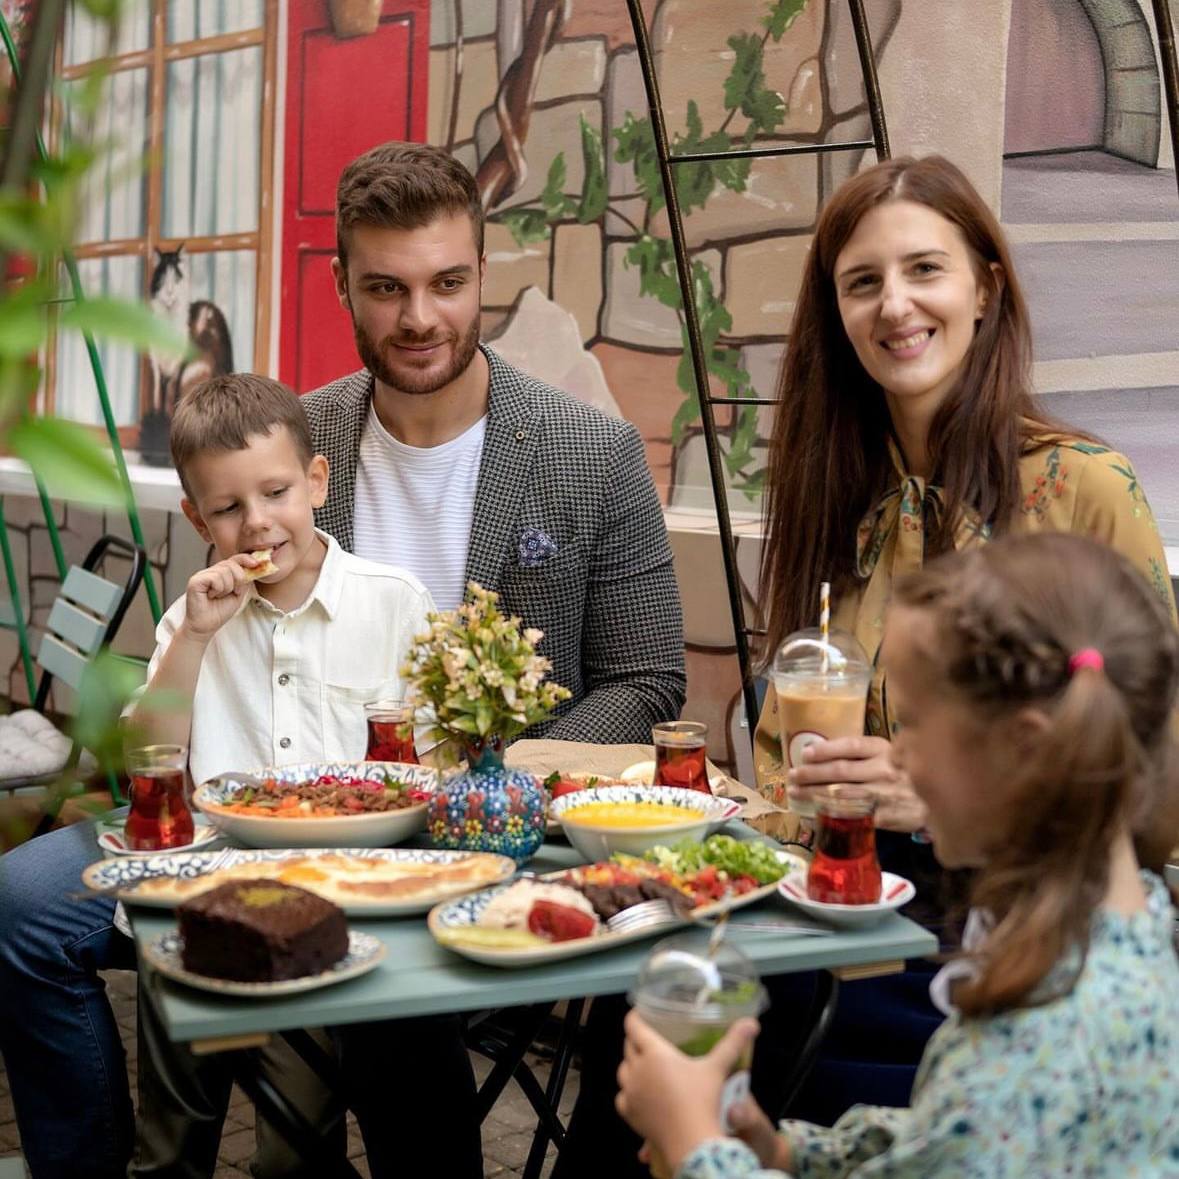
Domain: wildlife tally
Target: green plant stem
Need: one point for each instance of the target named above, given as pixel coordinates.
(19, 167)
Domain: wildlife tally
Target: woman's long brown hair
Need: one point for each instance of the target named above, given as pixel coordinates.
(828, 456)
(1006, 619)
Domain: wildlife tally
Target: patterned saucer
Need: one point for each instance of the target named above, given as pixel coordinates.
(364, 953)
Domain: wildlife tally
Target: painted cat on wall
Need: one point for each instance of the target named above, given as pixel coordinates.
(210, 349)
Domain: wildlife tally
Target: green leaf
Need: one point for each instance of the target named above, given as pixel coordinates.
(635, 141)
(122, 319)
(525, 225)
(23, 324)
(593, 190)
(655, 259)
(556, 203)
(745, 87)
(67, 459)
(28, 227)
(104, 10)
(687, 414)
(782, 14)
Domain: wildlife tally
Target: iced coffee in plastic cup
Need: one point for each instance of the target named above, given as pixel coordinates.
(822, 690)
(692, 999)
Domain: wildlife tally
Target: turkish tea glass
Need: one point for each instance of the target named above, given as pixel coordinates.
(390, 731)
(680, 748)
(160, 816)
(845, 870)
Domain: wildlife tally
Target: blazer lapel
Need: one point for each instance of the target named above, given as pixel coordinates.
(353, 413)
(509, 445)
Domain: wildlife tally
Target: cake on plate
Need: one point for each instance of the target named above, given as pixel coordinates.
(261, 931)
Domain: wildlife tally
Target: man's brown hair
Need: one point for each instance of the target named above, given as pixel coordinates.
(223, 413)
(404, 186)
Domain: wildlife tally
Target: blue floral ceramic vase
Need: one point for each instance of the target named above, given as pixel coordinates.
(489, 808)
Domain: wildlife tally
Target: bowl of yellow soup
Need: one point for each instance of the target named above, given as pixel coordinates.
(602, 821)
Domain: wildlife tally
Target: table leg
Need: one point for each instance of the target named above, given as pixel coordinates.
(556, 1086)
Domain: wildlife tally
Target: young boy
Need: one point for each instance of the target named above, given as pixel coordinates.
(268, 658)
(277, 665)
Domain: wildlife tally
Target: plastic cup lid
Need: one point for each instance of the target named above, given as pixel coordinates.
(679, 978)
(806, 652)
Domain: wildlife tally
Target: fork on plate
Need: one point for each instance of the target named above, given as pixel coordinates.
(647, 915)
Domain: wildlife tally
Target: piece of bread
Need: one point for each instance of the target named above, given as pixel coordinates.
(265, 569)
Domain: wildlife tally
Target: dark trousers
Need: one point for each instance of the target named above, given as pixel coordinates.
(600, 1143)
(408, 1081)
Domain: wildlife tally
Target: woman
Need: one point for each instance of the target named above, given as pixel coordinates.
(908, 428)
(1034, 682)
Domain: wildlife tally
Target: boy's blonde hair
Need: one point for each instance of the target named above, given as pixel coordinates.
(223, 413)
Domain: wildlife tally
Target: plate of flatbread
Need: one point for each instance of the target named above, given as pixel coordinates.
(364, 882)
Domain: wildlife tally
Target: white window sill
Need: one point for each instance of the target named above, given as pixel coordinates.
(154, 487)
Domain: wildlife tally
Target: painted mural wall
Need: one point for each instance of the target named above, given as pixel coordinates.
(247, 110)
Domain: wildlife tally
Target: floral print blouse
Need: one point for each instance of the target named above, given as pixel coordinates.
(1086, 1085)
(1069, 486)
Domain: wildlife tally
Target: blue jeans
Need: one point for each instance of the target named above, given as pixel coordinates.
(58, 1035)
(68, 1074)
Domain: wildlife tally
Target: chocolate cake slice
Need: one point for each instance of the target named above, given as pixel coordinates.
(261, 931)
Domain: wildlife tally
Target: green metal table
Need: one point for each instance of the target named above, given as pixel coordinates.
(418, 977)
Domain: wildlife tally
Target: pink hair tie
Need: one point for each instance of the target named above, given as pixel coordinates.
(1088, 657)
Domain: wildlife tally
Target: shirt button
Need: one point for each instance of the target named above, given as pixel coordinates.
(283, 680)
(285, 743)
(520, 435)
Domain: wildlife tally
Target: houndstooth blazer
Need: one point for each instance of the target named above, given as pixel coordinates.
(568, 528)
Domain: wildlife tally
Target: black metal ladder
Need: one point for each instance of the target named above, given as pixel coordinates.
(668, 162)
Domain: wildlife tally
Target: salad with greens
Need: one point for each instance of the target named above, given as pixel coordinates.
(737, 857)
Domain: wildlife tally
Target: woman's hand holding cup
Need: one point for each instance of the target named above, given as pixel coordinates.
(865, 761)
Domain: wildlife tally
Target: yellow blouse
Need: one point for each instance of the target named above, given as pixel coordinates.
(1069, 486)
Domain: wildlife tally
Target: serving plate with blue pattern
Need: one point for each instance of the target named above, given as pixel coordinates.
(163, 953)
(374, 829)
(448, 920)
(145, 880)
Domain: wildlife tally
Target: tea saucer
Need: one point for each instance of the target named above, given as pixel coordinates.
(895, 891)
(111, 841)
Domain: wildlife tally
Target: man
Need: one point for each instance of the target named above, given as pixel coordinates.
(445, 460)
(451, 463)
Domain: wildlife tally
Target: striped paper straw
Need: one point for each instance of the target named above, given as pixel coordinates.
(824, 618)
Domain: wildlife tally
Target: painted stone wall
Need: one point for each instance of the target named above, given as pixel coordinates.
(543, 100)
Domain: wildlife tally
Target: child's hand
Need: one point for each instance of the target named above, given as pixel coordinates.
(214, 595)
(671, 1100)
(750, 1124)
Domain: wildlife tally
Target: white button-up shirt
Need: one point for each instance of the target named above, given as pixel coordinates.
(277, 688)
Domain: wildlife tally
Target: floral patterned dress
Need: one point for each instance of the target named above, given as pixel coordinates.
(1086, 1085)
(1068, 485)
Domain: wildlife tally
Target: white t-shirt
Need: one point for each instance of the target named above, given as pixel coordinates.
(413, 506)
(278, 688)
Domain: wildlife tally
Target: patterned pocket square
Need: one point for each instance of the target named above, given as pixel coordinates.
(536, 547)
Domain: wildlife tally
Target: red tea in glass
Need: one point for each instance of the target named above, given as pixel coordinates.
(159, 816)
(845, 870)
(390, 732)
(680, 749)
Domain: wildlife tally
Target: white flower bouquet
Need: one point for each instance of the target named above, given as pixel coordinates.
(476, 675)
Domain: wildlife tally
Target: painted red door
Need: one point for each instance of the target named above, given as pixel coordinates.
(343, 97)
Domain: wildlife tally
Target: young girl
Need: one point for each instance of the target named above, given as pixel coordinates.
(1033, 681)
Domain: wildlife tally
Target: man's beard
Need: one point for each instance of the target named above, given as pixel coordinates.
(406, 380)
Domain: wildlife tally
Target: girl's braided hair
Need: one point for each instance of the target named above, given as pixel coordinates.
(1008, 617)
